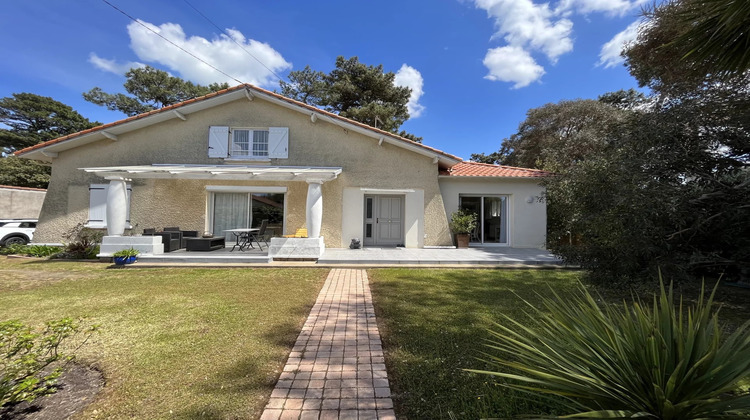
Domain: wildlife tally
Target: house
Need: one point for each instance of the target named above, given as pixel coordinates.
(241, 155)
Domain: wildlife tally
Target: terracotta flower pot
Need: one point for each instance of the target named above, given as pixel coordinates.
(462, 240)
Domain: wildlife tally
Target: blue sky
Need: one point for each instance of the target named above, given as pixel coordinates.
(478, 64)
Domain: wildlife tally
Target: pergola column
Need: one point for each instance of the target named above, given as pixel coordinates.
(314, 213)
(117, 202)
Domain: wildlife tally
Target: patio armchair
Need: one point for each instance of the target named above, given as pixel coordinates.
(171, 240)
(185, 235)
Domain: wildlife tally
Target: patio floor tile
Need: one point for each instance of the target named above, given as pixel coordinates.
(337, 358)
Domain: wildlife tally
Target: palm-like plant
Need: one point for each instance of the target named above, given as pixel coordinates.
(663, 361)
(718, 32)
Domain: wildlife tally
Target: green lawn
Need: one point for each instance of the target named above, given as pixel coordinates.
(174, 343)
(434, 323)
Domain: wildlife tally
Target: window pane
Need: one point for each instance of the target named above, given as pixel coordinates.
(241, 143)
(474, 205)
(368, 230)
(368, 213)
(260, 143)
(230, 212)
(494, 220)
(268, 207)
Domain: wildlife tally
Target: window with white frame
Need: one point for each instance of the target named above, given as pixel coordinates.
(248, 143)
(98, 206)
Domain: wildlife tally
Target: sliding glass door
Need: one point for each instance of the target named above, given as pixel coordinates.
(244, 210)
(492, 218)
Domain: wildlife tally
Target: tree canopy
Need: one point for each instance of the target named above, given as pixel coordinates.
(646, 183)
(33, 119)
(555, 136)
(150, 89)
(353, 90)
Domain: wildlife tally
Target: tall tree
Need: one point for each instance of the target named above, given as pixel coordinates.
(151, 89)
(555, 136)
(353, 90)
(671, 188)
(669, 57)
(32, 119)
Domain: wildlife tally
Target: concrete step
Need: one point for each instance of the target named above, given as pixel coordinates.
(204, 259)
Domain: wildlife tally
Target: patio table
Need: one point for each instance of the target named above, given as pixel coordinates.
(240, 240)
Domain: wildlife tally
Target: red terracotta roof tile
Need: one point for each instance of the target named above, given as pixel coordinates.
(467, 168)
(231, 89)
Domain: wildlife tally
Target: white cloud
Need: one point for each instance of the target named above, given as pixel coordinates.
(528, 27)
(221, 52)
(609, 7)
(609, 56)
(410, 77)
(522, 23)
(112, 66)
(512, 64)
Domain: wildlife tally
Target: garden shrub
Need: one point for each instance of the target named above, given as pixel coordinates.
(84, 243)
(30, 250)
(41, 250)
(31, 362)
(664, 361)
(13, 249)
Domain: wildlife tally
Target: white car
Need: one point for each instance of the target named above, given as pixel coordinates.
(16, 231)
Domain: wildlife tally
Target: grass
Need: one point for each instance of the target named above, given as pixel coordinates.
(434, 324)
(174, 343)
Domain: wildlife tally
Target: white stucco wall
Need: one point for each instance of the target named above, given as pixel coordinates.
(353, 216)
(527, 222)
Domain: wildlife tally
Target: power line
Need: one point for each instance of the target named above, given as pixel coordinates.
(233, 40)
(164, 38)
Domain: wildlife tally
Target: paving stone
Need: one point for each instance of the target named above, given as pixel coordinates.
(309, 415)
(290, 415)
(386, 415)
(293, 404)
(270, 414)
(331, 415)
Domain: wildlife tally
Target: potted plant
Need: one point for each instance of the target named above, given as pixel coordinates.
(463, 222)
(126, 256)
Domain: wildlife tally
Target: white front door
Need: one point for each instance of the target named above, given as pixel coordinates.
(384, 220)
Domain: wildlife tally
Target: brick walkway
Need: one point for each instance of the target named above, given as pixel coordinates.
(336, 368)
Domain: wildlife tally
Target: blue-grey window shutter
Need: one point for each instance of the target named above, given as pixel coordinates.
(278, 142)
(218, 139)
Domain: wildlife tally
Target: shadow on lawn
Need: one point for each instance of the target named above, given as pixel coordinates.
(249, 378)
(434, 325)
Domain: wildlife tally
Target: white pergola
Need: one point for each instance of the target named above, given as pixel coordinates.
(119, 175)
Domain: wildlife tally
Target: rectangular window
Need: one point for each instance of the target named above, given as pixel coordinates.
(249, 143)
(234, 210)
(492, 218)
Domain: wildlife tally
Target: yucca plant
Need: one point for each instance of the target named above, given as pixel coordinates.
(661, 361)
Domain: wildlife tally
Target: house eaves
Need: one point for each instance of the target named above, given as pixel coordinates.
(48, 150)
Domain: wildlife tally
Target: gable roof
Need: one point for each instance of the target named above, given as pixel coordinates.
(49, 149)
(476, 169)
